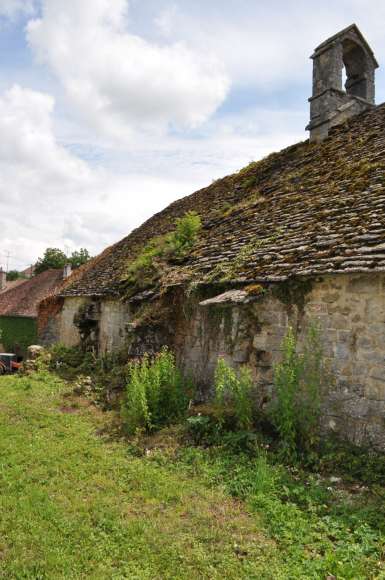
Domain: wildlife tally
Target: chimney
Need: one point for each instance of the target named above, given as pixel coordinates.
(330, 104)
(3, 279)
(67, 271)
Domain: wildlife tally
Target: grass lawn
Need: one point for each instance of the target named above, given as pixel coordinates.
(74, 503)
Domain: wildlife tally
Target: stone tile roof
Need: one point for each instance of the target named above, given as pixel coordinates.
(23, 299)
(12, 284)
(310, 209)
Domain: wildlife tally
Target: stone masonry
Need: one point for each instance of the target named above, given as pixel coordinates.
(330, 105)
(351, 313)
(350, 309)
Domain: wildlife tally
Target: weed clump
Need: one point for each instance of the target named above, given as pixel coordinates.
(232, 391)
(174, 246)
(156, 393)
(298, 381)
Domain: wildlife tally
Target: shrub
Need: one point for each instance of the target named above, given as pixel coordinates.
(143, 270)
(185, 235)
(232, 392)
(146, 267)
(298, 381)
(107, 373)
(156, 393)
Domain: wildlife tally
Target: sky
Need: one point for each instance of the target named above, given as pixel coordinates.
(112, 109)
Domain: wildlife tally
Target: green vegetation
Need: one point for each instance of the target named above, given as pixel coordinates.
(55, 259)
(176, 245)
(17, 332)
(233, 390)
(77, 503)
(13, 275)
(321, 528)
(182, 240)
(298, 382)
(156, 393)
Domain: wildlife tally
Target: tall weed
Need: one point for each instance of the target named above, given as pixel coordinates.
(232, 392)
(156, 393)
(298, 381)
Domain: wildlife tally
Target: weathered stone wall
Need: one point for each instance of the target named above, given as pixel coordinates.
(114, 317)
(107, 320)
(350, 310)
(351, 313)
(68, 331)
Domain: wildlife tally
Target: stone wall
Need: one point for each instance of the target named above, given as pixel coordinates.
(351, 313)
(68, 331)
(114, 317)
(89, 319)
(350, 310)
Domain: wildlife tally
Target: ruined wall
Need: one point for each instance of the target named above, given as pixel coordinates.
(114, 317)
(68, 331)
(351, 312)
(80, 320)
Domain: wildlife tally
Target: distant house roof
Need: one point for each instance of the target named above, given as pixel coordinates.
(310, 209)
(12, 284)
(22, 299)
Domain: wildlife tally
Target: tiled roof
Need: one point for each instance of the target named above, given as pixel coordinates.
(13, 284)
(23, 299)
(307, 210)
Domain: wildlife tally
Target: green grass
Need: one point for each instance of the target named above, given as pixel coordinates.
(75, 503)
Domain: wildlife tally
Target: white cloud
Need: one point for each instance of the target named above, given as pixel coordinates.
(119, 81)
(13, 8)
(266, 45)
(166, 20)
(49, 197)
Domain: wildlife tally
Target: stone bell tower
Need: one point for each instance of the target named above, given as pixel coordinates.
(330, 105)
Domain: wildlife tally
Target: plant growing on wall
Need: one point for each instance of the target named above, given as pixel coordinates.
(298, 381)
(18, 333)
(146, 268)
(181, 241)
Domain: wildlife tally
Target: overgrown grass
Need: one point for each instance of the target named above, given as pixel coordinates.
(321, 529)
(75, 503)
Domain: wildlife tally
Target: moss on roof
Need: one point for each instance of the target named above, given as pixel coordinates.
(307, 210)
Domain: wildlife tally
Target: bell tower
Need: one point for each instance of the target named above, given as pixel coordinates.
(330, 103)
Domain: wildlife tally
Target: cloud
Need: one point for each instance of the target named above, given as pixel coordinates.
(265, 46)
(13, 8)
(50, 197)
(118, 81)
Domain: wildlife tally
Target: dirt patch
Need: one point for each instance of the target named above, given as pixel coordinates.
(69, 410)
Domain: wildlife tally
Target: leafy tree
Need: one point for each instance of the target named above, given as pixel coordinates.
(78, 258)
(13, 275)
(53, 259)
(56, 259)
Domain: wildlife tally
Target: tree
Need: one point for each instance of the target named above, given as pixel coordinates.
(78, 258)
(56, 259)
(53, 259)
(13, 275)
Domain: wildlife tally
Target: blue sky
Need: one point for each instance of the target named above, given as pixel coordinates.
(111, 109)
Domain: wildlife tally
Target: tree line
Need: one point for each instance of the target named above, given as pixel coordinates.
(55, 259)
